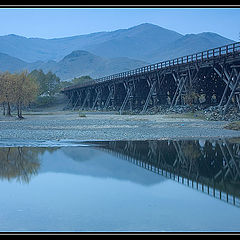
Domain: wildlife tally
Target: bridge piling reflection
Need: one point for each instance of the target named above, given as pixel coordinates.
(208, 166)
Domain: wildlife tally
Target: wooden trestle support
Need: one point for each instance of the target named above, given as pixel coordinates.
(232, 79)
(212, 73)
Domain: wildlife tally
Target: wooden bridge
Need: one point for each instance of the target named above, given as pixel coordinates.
(211, 77)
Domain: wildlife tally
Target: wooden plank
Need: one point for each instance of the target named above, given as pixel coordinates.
(74, 107)
(231, 95)
(176, 92)
(149, 96)
(226, 88)
(180, 90)
(96, 99)
(111, 92)
(125, 100)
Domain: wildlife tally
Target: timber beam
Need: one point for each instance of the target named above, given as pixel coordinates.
(152, 94)
(232, 80)
(110, 98)
(129, 87)
(98, 97)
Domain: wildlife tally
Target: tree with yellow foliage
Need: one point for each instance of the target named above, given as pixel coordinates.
(25, 91)
(6, 91)
(17, 89)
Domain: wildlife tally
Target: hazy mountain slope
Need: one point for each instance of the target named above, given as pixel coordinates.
(27, 49)
(11, 64)
(80, 63)
(188, 44)
(123, 42)
(102, 53)
(146, 42)
(134, 42)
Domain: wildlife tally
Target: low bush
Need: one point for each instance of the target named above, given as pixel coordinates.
(44, 101)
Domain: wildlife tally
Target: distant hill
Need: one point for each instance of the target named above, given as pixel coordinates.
(132, 42)
(188, 44)
(82, 63)
(27, 49)
(11, 64)
(76, 64)
(102, 53)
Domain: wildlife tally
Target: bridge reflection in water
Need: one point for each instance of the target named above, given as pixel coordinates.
(209, 166)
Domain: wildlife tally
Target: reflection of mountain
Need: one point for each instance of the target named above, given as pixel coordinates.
(211, 164)
(218, 160)
(95, 163)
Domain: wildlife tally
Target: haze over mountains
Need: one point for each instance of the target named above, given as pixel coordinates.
(102, 53)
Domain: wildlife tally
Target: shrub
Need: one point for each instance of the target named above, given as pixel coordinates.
(44, 101)
(81, 114)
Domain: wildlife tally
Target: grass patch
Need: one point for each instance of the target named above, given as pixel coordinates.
(234, 140)
(233, 126)
(137, 119)
(39, 113)
(81, 114)
(195, 115)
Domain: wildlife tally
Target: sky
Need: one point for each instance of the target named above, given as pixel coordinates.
(58, 22)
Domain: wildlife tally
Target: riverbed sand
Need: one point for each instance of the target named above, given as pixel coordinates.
(60, 125)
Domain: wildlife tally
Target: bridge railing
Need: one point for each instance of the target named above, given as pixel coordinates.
(196, 57)
(200, 56)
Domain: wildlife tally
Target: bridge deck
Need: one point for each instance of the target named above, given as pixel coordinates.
(200, 57)
(175, 78)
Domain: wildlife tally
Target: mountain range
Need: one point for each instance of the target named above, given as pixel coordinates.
(102, 53)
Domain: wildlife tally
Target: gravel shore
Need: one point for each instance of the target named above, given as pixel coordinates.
(67, 125)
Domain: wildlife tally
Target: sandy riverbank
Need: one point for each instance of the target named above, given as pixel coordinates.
(63, 125)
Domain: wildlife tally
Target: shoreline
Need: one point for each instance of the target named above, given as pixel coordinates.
(95, 126)
(9, 143)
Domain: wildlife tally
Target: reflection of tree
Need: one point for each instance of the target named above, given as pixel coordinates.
(19, 163)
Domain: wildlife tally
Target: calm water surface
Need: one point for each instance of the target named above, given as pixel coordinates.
(121, 186)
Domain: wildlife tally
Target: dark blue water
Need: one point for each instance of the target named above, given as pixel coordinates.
(138, 186)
